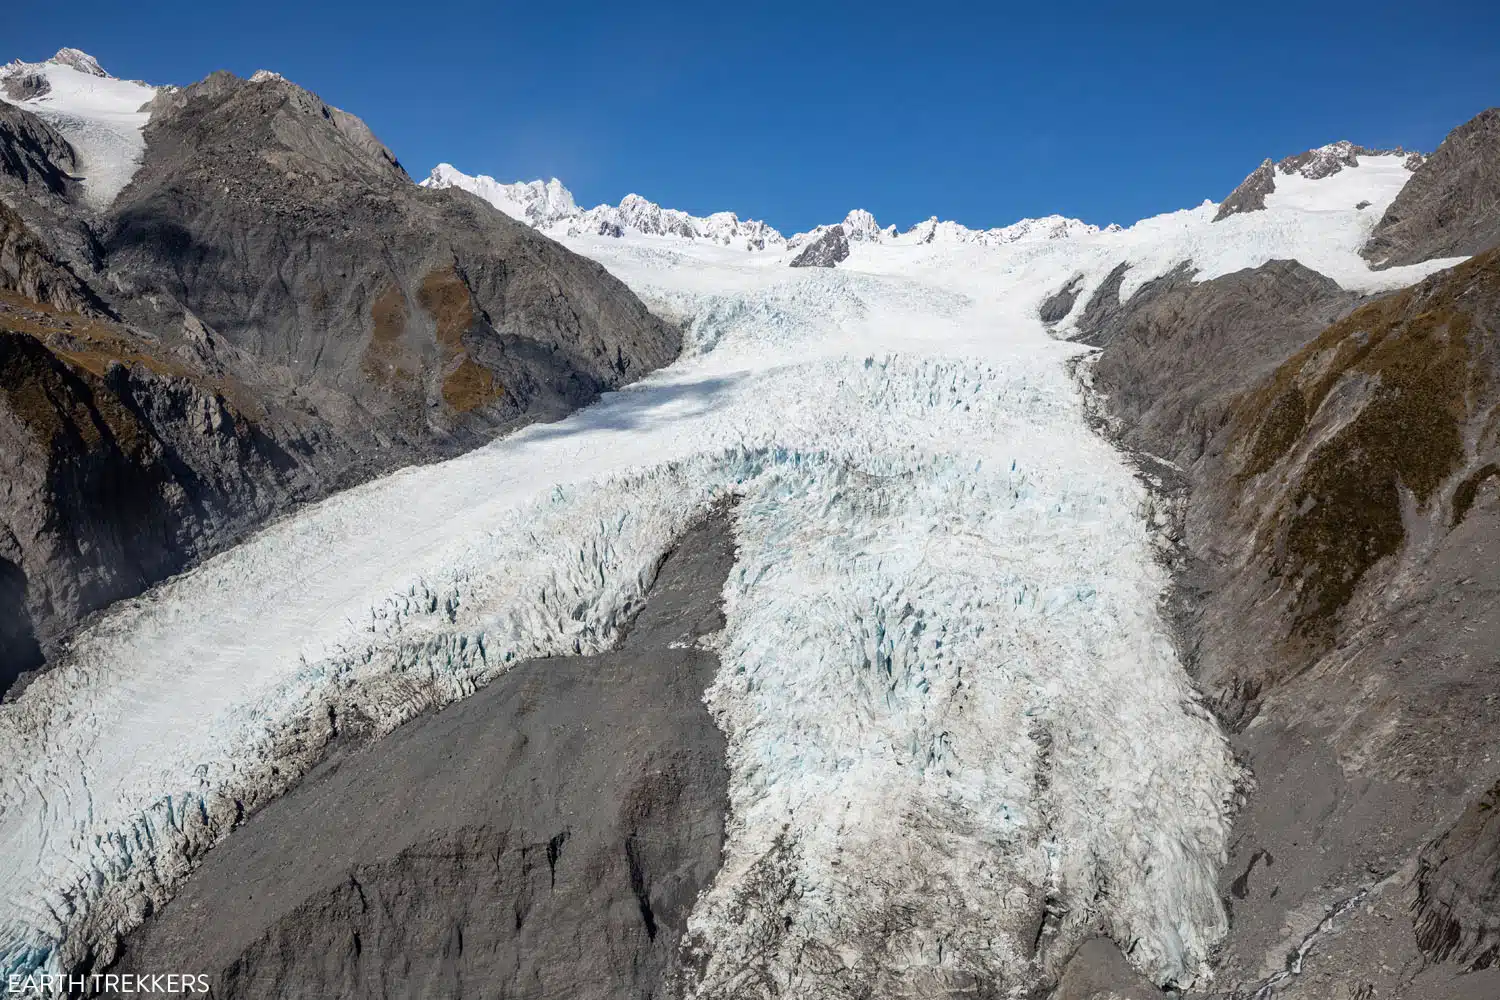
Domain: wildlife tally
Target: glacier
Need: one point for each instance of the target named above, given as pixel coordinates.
(960, 737)
(101, 117)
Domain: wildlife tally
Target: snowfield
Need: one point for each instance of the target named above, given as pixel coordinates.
(957, 726)
(100, 116)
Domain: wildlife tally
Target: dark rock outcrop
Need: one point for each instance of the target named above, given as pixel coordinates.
(1056, 307)
(1250, 196)
(825, 251)
(270, 311)
(545, 837)
(117, 475)
(1448, 208)
(1098, 324)
(25, 85)
(1458, 889)
(33, 153)
(1183, 350)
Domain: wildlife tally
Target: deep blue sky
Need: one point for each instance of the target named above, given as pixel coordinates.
(797, 112)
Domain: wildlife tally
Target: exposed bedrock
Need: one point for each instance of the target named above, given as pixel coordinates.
(1250, 196)
(827, 250)
(1056, 307)
(269, 312)
(1449, 207)
(545, 837)
(1334, 532)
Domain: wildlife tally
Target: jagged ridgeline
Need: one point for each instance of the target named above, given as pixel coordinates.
(221, 300)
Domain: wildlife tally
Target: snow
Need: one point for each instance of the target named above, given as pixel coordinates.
(538, 203)
(954, 714)
(550, 207)
(101, 117)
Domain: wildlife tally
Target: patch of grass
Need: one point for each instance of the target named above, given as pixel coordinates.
(56, 402)
(470, 386)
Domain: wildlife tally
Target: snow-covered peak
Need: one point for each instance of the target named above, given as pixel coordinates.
(860, 226)
(99, 115)
(537, 203)
(549, 206)
(79, 60)
(265, 76)
(1325, 161)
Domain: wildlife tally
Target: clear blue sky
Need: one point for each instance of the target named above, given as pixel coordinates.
(797, 112)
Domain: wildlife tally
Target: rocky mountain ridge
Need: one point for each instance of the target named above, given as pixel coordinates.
(1312, 164)
(263, 310)
(549, 206)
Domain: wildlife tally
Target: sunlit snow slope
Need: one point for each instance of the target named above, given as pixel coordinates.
(959, 737)
(100, 116)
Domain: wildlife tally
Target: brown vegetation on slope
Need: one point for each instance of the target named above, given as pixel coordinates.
(1405, 366)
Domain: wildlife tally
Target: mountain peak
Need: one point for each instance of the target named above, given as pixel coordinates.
(546, 204)
(79, 60)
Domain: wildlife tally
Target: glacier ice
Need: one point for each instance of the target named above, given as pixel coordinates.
(960, 739)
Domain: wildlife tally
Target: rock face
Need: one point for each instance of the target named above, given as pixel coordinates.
(270, 311)
(32, 152)
(1097, 324)
(1458, 896)
(1325, 161)
(1332, 509)
(1056, 307)
(1250, 196)
(825, 251)
(1447, 209)
(425, 304)
(1184, 349)
(545, 837)
(116, 476)
(1313, 164)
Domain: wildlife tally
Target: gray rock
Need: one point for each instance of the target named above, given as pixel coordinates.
(25, 85)
(1056, 307)
(33, 153)
(390, 291)
(1315, 164)
(1451, 205)
(1098, 323)
(1250, 196)
(114, 480)
(1097, 971)
(1458, 888)
(1181, 350)
(825, 251)
(545, 837)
